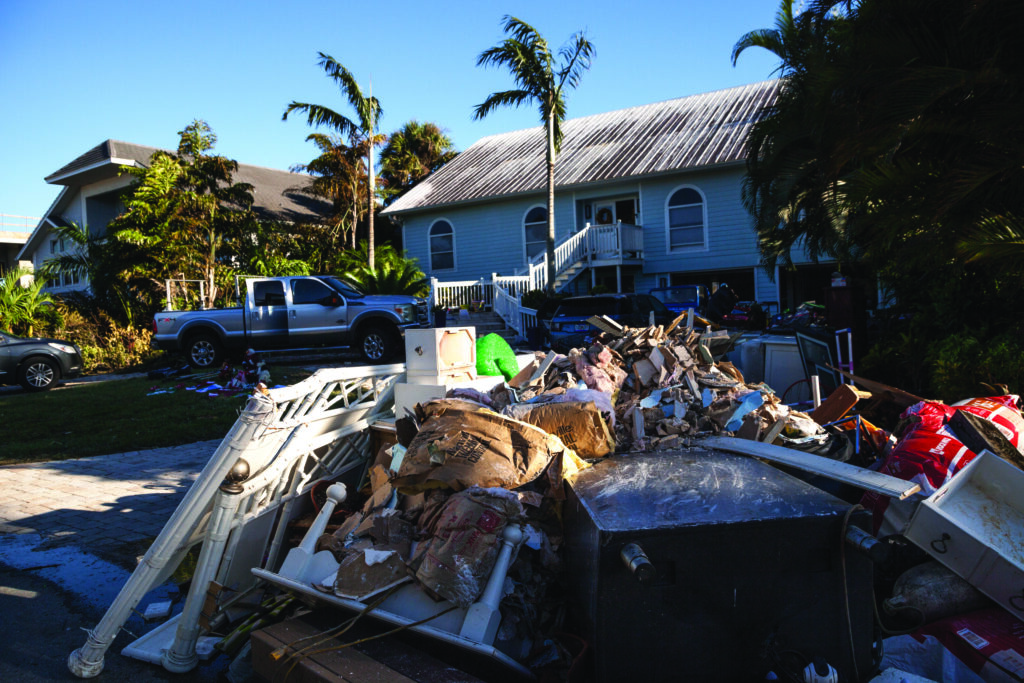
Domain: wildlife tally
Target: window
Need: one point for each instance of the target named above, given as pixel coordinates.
(535, 231)
(310, 292)
(268, 293)
(685, 220)
(442, 246)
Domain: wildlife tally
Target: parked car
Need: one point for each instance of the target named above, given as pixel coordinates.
(294, 313)
(37, 363)
(569, 326)
(680, 298)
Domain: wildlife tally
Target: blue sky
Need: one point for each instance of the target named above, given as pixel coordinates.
(76, 73)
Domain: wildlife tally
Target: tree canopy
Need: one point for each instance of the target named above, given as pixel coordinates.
(896, 141)
(413, 152)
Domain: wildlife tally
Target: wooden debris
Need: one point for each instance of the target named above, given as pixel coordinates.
(606, 324)
(838, 404)
(868, 480)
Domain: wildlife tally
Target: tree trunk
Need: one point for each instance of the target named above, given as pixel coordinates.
(550, 242)
(369, 219)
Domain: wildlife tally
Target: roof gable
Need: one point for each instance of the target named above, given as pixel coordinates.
(703, 130)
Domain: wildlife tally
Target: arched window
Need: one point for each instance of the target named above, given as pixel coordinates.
(535, 231)
(442, 246)
(685, 220)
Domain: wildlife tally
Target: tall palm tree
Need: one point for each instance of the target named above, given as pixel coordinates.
(543, 82)
(413, 152)
(368, 113)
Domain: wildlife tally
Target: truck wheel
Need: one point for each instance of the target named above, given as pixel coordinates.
(38, 374)
(204, 351)
(377, 344)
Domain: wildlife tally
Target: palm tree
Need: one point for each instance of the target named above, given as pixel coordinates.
(23, 307)
(394, 272)
(542, 82)
(339, 177)
(412, 153)
(368, 113)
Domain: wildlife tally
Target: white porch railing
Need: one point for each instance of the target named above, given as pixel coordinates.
(504, 293)
(461, 293)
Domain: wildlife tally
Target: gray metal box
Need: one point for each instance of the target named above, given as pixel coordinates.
(749, 570)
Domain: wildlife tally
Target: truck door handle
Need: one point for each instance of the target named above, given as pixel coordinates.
(293, 313)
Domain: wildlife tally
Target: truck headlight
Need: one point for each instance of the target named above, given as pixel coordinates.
(407, 312)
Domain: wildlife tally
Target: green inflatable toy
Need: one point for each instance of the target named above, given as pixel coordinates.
(495, 357)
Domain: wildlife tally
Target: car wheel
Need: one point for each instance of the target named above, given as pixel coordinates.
(377, 344)
(204, 351)
(38, 374)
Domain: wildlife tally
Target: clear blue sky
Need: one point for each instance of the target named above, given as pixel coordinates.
(73, 74)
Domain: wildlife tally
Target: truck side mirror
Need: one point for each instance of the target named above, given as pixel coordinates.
(333, 301)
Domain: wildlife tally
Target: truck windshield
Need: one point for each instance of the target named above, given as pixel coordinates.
(344, 289)
(676, 295)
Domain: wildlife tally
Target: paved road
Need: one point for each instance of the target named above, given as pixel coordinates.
(70, 532)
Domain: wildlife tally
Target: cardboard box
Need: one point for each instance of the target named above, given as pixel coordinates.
(974, 525)
(434, 350)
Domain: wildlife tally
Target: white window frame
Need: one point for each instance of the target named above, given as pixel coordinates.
(430, 248)
(522, 231)
(668, 227)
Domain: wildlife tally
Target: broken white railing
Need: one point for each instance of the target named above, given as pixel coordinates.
(240, 505)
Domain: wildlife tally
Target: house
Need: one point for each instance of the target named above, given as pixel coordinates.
(656, 189)
(91, 196)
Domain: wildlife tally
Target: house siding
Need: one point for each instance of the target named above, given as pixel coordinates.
(488, 237)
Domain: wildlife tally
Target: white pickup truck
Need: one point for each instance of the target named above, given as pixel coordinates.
(293, 313)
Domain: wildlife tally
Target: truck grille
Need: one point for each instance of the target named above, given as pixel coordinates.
(421, 313)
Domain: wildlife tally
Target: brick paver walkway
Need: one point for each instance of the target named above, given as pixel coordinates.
(99, 501)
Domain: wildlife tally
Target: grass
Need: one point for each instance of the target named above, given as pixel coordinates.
(115, 416)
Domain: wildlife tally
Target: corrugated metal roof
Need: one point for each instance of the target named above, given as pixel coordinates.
(686, 133)
(277, 195)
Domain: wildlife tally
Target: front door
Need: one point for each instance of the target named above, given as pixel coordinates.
(268, 314)
(317, 315)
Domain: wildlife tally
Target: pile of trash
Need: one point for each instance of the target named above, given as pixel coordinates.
(469, 466)
(473, 470)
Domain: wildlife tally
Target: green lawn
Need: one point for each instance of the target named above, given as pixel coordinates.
(112, 417)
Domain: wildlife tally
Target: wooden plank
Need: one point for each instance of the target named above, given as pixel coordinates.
(868, 480)
(979, 434)
(775, 430)
(675, 323)
(900, 397)
(603, 322)
(838, 404)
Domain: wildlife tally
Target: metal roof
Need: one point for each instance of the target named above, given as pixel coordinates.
(709, 129)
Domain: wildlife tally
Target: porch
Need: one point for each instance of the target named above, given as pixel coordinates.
(594, 246)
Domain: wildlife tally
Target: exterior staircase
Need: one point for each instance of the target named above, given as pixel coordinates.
(485, 323)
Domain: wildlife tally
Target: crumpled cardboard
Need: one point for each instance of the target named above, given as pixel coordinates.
(578, 424)
(464, 541)
(458, 447)
(366, 572)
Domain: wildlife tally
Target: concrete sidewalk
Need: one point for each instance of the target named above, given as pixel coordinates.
(100, 502)
(70, 533)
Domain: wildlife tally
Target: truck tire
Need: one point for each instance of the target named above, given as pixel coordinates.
(377, 343)
(38, 374)
(204, 351)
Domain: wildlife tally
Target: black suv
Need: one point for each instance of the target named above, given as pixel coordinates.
(569, 326)
(37, 364)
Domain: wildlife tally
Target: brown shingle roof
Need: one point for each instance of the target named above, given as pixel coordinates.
(277, 194)
(686, 133)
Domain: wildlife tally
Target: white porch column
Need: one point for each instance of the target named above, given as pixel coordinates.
(618, 279)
